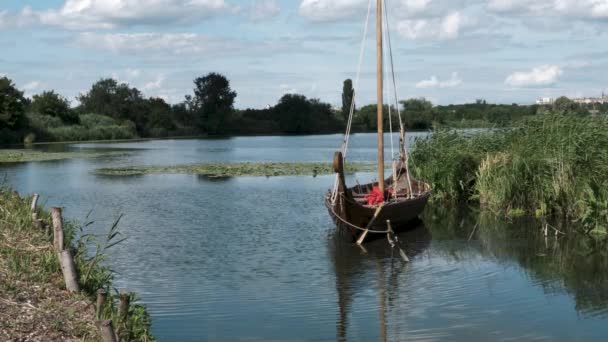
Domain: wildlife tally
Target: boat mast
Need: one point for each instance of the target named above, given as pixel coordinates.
(379, 95)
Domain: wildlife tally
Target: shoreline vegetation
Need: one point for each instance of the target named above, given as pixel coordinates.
(548, 166)
(111, 110)
(34, 301)
(221, 170)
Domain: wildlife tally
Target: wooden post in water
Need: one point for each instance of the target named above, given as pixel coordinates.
(57, 229)
(379, 90)
(102, 297)
(33, 208)
(69, 271)
(106, 331)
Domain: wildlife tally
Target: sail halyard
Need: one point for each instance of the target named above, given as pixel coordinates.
(379, 90)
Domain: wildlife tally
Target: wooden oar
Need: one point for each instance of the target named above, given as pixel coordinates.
(395, 242)
(364, 234)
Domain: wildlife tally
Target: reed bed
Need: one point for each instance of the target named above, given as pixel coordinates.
(552, 165)
(34, 304)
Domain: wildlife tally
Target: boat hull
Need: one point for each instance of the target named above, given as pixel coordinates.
(351, 216)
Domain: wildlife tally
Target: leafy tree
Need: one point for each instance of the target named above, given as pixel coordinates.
(347, 97)
(564, 105)
(12, 106)
(159, 121)
(53, 104)
(213, 102)
(418, 113)
(116, 100)
(293, 111)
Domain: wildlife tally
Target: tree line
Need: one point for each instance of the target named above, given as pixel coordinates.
(114, 110)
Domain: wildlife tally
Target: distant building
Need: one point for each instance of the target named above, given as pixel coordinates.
(592, 100)
(545, 101)
(582, 100)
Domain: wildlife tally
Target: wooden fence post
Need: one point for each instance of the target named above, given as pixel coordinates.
(106, 331)
(34, 205)
(69, 271)
(57, 229)
(38, 224)
(123, 307)
(102, 297)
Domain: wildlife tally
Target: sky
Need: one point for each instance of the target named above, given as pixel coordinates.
(448, 51)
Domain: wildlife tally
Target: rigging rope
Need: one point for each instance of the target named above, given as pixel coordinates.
(401, 126)
(349, 123)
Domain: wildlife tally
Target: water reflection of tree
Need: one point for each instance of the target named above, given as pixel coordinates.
(573, 264)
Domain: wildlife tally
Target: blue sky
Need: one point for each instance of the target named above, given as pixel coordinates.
(449, 51)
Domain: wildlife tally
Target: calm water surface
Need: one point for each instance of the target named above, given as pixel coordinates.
(254, 258)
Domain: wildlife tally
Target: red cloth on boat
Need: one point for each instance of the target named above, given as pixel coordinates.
(375, 196)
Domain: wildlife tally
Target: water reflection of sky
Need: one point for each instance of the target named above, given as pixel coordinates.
(253, 257)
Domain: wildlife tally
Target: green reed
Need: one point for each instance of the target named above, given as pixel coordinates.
(547, 165)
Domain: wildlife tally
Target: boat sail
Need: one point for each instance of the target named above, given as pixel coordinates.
(382, 206)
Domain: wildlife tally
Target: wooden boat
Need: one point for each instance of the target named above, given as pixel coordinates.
(403, 198)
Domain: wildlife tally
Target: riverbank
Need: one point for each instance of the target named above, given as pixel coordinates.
(34, 304)
(552, 165)
(238, 169)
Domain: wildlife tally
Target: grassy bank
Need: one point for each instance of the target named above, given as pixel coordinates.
(34, 305)
(18, 156)
(238, 169)
(548, 165)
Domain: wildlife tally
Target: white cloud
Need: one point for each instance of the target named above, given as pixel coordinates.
(31, 87)
(167, 43)
(133, 73)
(325, 10)
(567, 8)
(415, 5)
(434, 82)
(544, 75)
(106, 14)
(264, 9)
(448, 27)
(287, 89)
(156, 84)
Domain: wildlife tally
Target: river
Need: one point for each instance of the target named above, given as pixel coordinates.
(255, 258)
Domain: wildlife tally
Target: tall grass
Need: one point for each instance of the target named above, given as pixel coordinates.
(547, 165)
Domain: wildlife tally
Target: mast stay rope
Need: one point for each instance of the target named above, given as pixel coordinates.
(344, 148)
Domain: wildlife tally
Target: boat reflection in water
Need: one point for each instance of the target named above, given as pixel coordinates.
(355, 266)
(479, 278)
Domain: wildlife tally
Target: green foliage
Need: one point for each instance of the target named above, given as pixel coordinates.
(294, 114)
(52, 104)
(550, 164)
(418, 113)
(91, 127)
(213, 102)
(116, 100)
(159, 122)
(12, 112)
(347, 98)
